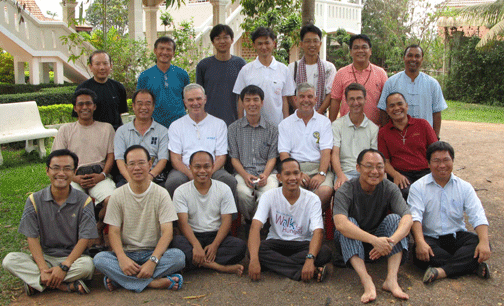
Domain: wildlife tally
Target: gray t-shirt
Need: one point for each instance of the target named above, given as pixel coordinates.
(58, 226)
(204, 210)
(369, 209)
(218, 79)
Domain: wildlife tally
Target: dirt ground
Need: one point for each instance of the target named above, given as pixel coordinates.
(477, 160)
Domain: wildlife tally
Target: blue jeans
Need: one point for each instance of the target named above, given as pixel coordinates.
(173, 260)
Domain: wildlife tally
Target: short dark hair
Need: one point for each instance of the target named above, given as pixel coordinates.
(164, 40)
(412, 46)
(310, 28)
(394, 93)
(84, 91)
(355, 86)
(262, 31)
(252, 90)
(359, 36)
(363, 152)
(145, 91)
(90, 59)
(134, 147)
(63, 152)
(201, 151)
(218, 29)
(282, 162)
(440, 146)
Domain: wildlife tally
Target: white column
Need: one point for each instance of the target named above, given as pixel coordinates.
(323, 49)
(151, 22)
(219, 11)
(45, 73)
(135, 19)
(35, 71)
(69, 12)
(58, 72)
(19, 76)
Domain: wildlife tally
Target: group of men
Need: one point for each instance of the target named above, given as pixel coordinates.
(242, 110)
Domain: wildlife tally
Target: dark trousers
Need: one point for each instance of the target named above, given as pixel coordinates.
(288, 257)
(412, 177)
(453, 254)
(231, 250)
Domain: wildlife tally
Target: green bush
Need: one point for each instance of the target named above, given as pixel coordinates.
(56, 114)
(46, 96)
(6, 67)
(7, 89)
(475, 76)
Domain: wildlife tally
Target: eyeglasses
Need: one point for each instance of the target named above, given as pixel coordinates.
(438, 161)
(87, 103)
(199, 167)
(139, 163)
(311, 41)
(358, 99)
(225, 38)
(363, 47)
(66, 169)
(141, 104)
(378, 167)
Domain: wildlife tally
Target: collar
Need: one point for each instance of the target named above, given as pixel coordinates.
(244, 122)
(199, 123)
(132, 127)
(368, 68)
(47, 195)
(363, 124)
(430, 179)
(258, 64)
(297, 117)
(411, 121)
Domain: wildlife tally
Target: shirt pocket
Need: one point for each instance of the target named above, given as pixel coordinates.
(456, 209)
(277, 86)
(264, 150)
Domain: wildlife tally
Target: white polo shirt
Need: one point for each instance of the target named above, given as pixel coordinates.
(312, 74)
(274, 80)
(186, 137)
(304, 142)
(352, 140)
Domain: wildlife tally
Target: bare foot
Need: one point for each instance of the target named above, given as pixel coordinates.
(394, 288)
(164, 283)
(110, 285)
(369, 290)
(231, 269)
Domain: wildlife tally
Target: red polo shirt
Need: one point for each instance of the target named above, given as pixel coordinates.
(410, 155)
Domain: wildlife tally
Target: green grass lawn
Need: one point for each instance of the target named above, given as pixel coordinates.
(473, 112)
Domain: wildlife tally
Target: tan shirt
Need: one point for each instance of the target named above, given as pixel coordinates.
(91, 143)
(140, 215)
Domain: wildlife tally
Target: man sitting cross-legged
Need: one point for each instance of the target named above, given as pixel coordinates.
(438, 201)
(58, 222)
(293, 247)
(204, 207)
(140, 216)
(363, 227)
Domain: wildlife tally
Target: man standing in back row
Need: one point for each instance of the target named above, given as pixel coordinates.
(166, 82)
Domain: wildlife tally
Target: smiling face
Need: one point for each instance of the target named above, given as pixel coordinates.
(143, 107)
(252, 104)
(264, 46)
(61, 171)
(360, 52)
(397, 108)
(290, 176)
(441, 166)
(201, 167)
(164, 52)
(372, 170)
(222, 42)
(306, 101)
(311, 44)
(413, 59)
(356, 100)
(138, 166)
(84, 107)
(194, 101)
(100, 67)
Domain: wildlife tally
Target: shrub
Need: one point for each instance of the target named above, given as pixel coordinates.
(56, 114)
(6, 89)
(46, 96)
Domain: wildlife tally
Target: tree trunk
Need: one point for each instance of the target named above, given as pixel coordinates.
(308, 12)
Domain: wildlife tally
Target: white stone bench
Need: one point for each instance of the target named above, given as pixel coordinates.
(21, 122)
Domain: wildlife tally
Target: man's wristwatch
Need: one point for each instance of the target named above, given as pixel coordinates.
(322, 173)
(154, 259)
(310, 256)
(64, 268)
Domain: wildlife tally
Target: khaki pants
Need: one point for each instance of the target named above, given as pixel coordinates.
(312, 169)
(248, 197)
(24, 267)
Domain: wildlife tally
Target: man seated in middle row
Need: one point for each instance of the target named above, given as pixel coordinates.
(253, 148)
(204, 208)
(404, 141)
(306, 136)
(197, 131)
(144, 131)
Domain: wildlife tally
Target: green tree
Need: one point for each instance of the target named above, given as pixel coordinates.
(282, 16)
(489, 14)
(116, 12)
(339, 55)
(6, 67)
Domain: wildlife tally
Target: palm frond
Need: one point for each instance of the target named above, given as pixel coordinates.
(491, 35)
(489, 13)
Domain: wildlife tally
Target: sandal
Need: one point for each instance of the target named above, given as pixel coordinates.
(431, 274)
(76, 285)
(107, 281)
(29, 289)
(483, 270)
(321, 273)
(180, 282)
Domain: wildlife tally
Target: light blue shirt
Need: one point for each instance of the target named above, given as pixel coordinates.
(424, 95)
(441, 210)
(155, 140)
